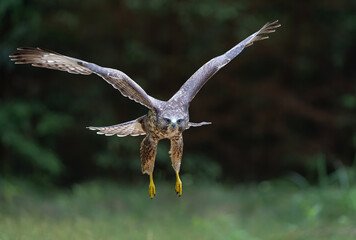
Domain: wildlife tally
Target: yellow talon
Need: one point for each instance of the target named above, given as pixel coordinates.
(179, 185)
(151, 187)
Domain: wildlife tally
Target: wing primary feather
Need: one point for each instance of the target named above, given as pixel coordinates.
(192, 86)
(39, 57)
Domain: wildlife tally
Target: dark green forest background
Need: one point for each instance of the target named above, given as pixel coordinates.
(284, 107)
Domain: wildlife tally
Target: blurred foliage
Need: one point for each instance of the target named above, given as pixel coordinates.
(284, 105)
(28, 132)
(103, 210)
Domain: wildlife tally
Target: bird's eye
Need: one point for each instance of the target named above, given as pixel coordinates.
(167, 120)
(179, 121)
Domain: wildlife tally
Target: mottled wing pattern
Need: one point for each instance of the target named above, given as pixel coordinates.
(123, 83)
(132, 128)
(192, 86)
(38, 57)
(48, 59)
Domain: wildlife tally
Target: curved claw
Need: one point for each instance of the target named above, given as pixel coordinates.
(151, 187)
(178, 186)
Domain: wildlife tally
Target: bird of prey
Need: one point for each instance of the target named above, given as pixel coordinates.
(165, 119)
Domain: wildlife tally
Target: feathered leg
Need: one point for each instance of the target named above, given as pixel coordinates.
(148, 154)
(176, 156)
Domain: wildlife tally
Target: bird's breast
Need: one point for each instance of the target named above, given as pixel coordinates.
(165, 132)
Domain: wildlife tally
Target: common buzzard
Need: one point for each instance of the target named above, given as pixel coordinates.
(165, 119)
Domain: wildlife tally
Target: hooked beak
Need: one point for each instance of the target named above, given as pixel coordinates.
(174, 124)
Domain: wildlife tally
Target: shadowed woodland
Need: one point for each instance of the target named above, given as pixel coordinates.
(281, 106)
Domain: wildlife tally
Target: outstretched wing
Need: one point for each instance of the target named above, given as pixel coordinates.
(48, 59)
(133, 128)
(192, 86)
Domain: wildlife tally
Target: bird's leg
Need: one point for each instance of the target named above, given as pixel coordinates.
(151, 187)
(148, 155)
(176, 156)
(179, 185)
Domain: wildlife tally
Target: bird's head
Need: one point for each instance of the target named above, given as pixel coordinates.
(172, 118)
(173, 123)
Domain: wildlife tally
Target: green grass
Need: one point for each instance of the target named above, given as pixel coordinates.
(100, 210)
